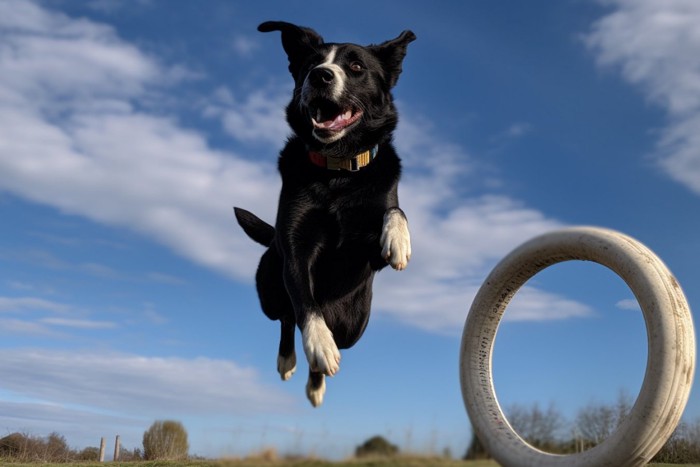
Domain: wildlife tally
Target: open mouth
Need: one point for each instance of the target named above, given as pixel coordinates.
(329, 117)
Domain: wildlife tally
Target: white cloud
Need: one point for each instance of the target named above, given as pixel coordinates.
(16, 304)
(137, 386)
(86, 395)
(20, 327)
(244, 45)
(456, 241)
(656, 46)
(79, 323)
(628, 304)
(70, 137)
(257, 118)
(40, 317)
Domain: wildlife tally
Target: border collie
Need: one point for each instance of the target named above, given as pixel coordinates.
(338, 219)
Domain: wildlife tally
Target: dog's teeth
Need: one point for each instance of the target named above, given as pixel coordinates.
(347, 115)
(318, 115)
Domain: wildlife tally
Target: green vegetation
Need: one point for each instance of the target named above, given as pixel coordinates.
(165, 440)
(376, 446)
(165, 445)
(398, 461)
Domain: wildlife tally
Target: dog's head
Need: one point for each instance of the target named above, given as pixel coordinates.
(342, 101)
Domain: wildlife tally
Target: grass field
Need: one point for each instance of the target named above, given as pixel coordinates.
(375, 462)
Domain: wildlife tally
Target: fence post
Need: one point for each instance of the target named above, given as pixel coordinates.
(116, 449)
(102, 449)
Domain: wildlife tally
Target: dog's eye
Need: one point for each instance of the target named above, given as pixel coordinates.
(356, 66)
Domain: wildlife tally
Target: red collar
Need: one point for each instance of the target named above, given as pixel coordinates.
(353, 164)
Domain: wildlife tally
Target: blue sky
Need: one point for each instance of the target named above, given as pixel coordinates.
(129, 130)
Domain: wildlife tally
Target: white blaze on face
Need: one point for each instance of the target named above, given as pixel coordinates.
(338, 86)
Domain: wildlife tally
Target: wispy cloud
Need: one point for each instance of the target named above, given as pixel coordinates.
(137, 385)
(79, 323)
(17, 304)
(33, 316)
(84, 395)
(656, 46)
(457, 239)
(244, 45)
(259, 117)
(628, 304)
(76, 142)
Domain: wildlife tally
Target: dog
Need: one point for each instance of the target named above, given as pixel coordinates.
(338, 219)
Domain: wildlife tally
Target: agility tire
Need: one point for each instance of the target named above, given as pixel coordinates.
(671, 349)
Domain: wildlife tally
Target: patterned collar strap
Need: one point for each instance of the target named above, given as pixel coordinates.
(352, 165)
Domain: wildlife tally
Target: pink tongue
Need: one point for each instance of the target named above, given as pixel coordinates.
(338, 123)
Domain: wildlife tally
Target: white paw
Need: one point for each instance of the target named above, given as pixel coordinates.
(315, 395)
(396, 240)
(321, 352)
(286, 366)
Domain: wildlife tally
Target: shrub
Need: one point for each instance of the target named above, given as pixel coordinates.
(15, 446)
(376, 446)
(165, 440)
(57, 449)
(89, 454)
(26, 448)
(134, 455)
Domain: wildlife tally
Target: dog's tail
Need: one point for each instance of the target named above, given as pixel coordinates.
(254, 227)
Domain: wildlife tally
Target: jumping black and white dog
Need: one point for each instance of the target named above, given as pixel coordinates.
(338, 218)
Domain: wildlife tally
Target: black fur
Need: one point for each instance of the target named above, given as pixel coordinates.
(326, 243)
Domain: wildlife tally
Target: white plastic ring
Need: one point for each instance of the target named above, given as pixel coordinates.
(670, 362)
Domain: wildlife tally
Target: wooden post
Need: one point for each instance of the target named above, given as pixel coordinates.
(116, 449)
(102, 449)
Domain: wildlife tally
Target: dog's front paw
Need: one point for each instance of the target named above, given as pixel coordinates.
(396, 240)
(321, 352)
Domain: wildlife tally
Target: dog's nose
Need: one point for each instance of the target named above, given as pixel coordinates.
(321, 76)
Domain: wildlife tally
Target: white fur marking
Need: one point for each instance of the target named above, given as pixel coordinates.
(315, 396)
(286, 366)
(396, 240)
(321, 352)
(332, 138)
(339, 81)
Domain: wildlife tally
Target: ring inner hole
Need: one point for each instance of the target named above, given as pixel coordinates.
(570, 356)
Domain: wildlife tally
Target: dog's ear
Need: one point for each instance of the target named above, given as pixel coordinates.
(297, 41)
(392, 52)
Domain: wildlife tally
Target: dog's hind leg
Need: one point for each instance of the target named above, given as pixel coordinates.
(287, 358)
(316, 388)
(276, 305)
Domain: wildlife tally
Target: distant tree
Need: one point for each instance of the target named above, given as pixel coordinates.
(165, 440)
(376, 446)
(90, 453)
(540, 428)
(134, 455)
(27, 448)
(56, 448)
(23, 447)
(14, 446)
(596, 422)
